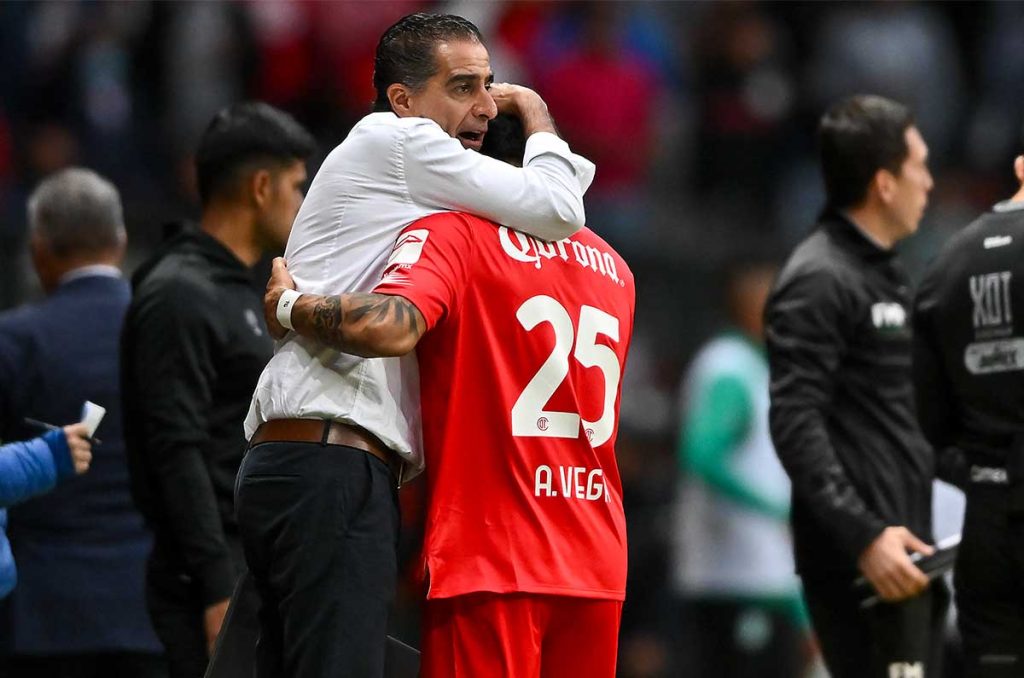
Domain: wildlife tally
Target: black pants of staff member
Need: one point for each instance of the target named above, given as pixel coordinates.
(989, 582)
(319, 527)
(176, 609)
(723, 638)
(87, 665)
(898, 640)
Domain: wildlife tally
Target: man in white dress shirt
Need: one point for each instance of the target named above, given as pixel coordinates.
(331, 435)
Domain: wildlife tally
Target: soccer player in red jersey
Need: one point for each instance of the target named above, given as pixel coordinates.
(521, 347)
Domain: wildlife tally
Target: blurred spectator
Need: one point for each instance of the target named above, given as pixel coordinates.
(33, 467)
(747, 95)
(604, 99)
(82, 547)
(742, 613)
(194, 345)
(905, 50)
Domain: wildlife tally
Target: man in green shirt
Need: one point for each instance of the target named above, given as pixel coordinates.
(734, 567)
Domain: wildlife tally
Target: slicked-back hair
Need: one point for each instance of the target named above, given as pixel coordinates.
(505, 140)
(245, 137)
(76, 211)
(857, 137)
(406, 53)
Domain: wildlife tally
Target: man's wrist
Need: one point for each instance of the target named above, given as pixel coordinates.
(285, 305)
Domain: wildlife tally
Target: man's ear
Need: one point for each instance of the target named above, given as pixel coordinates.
(261, 185)
(400, 97)
(884, 185)
(1018, 168)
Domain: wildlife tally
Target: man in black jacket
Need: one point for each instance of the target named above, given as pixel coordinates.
(193, 348)
(968, 358)
(842, 411)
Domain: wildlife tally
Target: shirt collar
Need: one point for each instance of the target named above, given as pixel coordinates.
(854, 239)
(102, 270)
(867, 236)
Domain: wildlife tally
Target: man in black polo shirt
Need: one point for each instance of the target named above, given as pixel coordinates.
(968, 363)
(193, 347)
(842, 411)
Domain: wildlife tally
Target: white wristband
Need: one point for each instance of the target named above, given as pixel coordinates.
(284, 307)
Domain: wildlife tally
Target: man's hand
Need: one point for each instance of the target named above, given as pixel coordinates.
(887, 566)
(525, 104)
(80, 447)
(213, 619)
(280, 280)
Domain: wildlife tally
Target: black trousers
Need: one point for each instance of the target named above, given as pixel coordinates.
(989, 581)
(898, 640)
(724, 638)
(176, 609)
(319, 526)
(88, 665)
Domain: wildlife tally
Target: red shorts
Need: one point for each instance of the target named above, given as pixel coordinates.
(519, 635)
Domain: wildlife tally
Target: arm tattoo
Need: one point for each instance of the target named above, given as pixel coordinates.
(364, 324)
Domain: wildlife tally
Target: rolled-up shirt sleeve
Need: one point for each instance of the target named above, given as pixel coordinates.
(543, 198)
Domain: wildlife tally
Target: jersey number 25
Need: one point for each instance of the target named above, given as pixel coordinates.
(529, 418)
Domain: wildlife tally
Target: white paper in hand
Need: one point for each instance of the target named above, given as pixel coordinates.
(92, 415)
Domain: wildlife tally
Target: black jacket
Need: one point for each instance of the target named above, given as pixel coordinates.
(193, 348)
(842, 404)
(968, 350)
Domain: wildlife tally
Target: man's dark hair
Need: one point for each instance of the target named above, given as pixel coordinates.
(406, 51)
(243, 138)
(856, 138)
(505, 140)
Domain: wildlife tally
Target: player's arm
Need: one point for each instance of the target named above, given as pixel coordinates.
(715, 424)
(936, 409)
(367, 325)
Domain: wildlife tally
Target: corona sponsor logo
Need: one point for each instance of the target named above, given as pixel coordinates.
(529, 250)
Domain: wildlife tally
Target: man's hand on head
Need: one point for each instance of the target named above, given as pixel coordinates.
(280, 280)
(525, 104)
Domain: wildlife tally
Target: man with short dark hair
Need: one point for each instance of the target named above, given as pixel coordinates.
(337, 431)
(968, 358)
(82, 548)
(842, 412)
(193, 347)
(525, 541)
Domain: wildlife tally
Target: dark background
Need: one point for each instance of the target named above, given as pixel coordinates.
(700, 117)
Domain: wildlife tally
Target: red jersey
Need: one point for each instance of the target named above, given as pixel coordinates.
(520, 382)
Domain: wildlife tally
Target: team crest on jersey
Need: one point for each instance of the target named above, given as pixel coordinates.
(408, 250)
(529, 250)
(409, 247)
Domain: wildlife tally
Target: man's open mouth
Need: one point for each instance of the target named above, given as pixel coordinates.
(472, 137)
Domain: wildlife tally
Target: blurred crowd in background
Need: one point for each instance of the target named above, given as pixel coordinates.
(699, 116)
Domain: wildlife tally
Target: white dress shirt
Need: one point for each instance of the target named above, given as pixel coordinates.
(387, 173)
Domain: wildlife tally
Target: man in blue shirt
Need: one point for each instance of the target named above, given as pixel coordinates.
(34, 467)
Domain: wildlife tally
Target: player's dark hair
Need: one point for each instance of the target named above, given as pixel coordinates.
(406, 51)
(505, 140)
(857, 137)
(245, 137)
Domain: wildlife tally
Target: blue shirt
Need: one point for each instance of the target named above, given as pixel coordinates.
(27, 469)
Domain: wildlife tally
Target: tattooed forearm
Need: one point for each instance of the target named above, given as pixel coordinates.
(369, 325)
